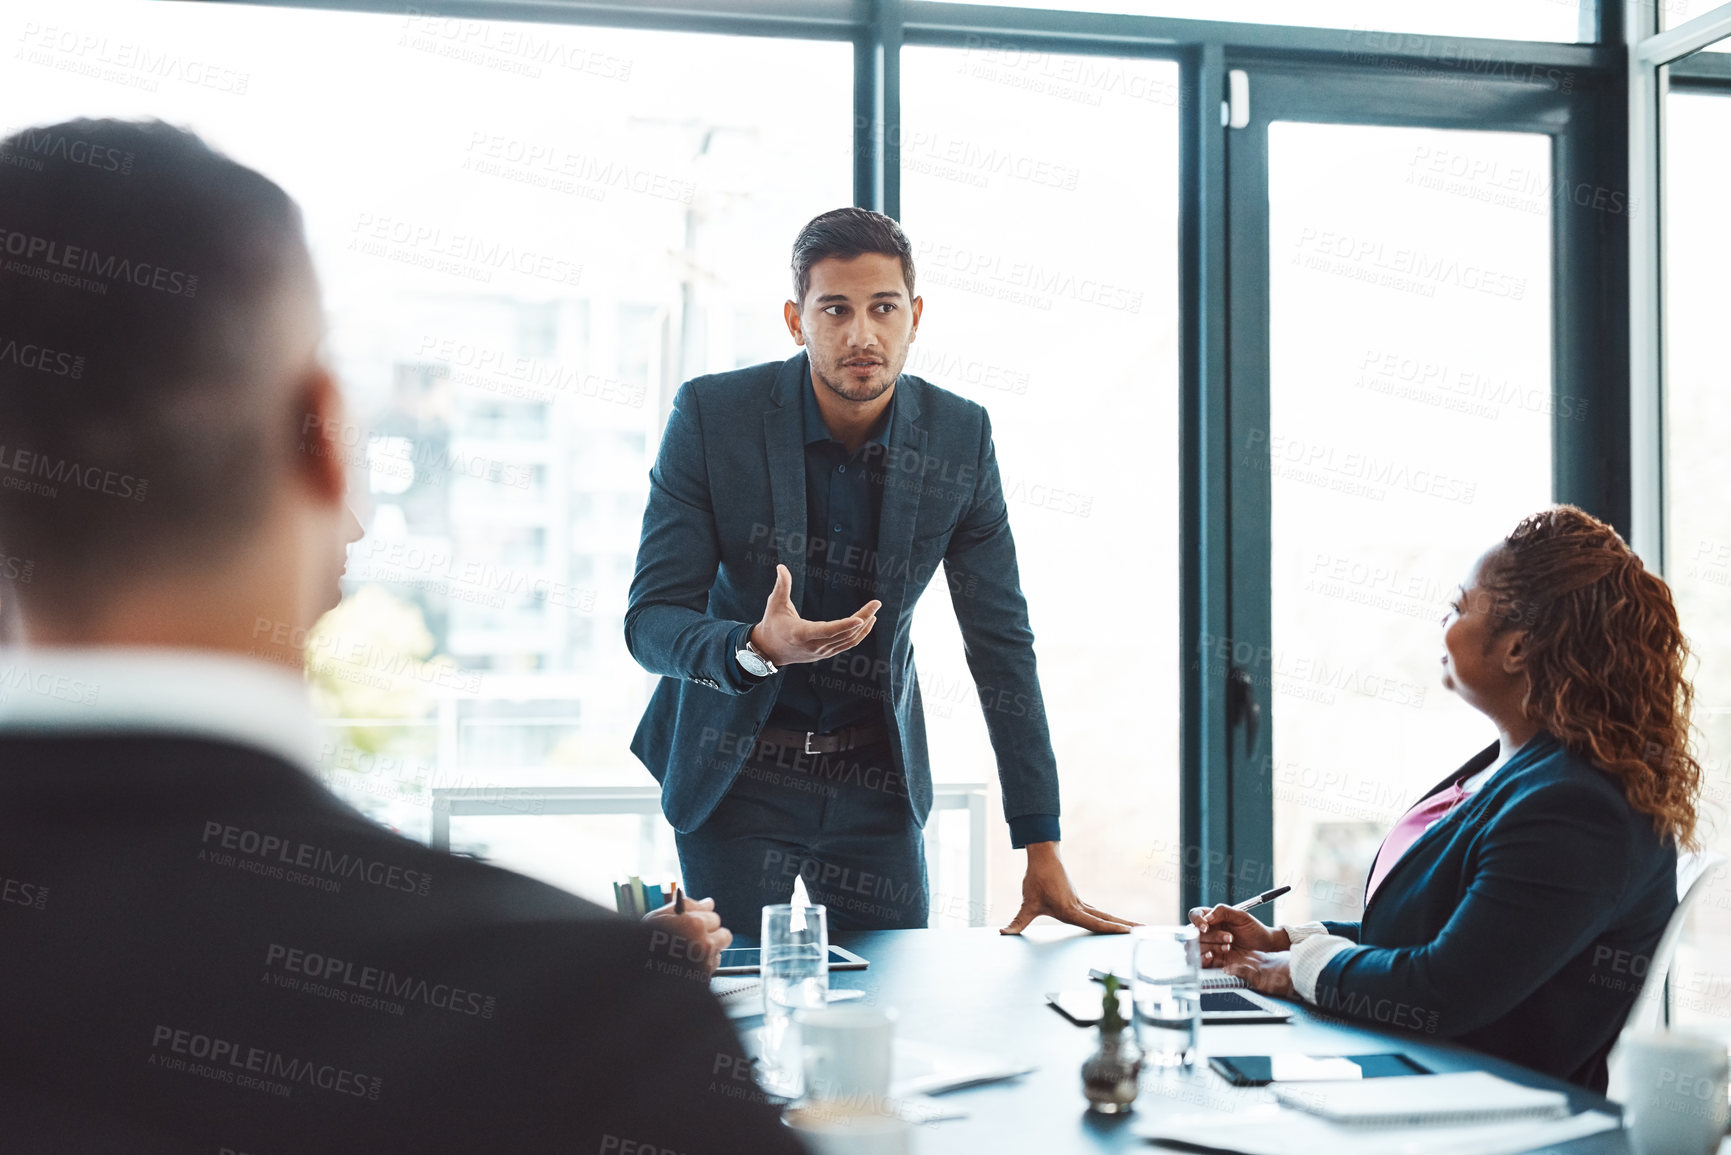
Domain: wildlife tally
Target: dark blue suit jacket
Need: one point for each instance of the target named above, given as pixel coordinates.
(727, 503)
(185, 886)
(1521, 923)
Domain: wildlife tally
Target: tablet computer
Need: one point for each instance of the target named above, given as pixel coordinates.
(746, 960)
(1083, 1007)
(1258, 1070)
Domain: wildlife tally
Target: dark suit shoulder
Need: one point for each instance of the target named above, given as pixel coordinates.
(749, 387)
(1559, 773)
(196, 893)
(1566, 783)
(936, 401)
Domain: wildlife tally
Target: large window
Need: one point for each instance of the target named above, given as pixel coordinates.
(1410, 428)
(1373, 19)
(527, 237)
(1698, 500)
(1045, 226)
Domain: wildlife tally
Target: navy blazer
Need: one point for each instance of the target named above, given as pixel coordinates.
(209, 952)
(727, 503)
(1521, 923)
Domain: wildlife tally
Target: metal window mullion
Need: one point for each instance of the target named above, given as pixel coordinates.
(1646, 347)
(878, 111)
(1205, 811)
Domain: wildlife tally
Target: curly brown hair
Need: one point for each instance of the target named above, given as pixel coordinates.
(1605, 657)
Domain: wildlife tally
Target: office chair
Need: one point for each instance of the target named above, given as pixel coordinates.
(1652, 1007)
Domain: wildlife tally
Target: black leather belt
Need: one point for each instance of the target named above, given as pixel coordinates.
(810, 742)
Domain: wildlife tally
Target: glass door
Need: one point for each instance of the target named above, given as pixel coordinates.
(1395, 354)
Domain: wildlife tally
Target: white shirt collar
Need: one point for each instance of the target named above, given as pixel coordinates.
(201, 693)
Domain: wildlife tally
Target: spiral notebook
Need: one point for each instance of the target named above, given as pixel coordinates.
(1212, 980)
(1462, 1097)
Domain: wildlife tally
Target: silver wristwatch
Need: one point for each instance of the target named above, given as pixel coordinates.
(753, 662)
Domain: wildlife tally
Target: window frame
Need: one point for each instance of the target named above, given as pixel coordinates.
(1608, 464)
(1654, 64)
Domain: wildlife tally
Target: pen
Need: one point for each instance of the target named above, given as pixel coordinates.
(678, 900)
(1265, 896)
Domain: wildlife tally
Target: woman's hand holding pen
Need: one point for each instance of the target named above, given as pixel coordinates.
(695, 920)
(1229, 934)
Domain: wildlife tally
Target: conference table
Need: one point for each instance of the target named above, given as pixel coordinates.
(981, 991)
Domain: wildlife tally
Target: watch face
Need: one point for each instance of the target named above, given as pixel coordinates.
(753, 664)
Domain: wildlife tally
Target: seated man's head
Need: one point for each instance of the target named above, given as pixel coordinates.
(170, 458)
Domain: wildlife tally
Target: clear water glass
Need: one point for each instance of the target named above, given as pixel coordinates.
(1166, 992)
(795, 963)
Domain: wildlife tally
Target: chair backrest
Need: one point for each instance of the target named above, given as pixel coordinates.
(1652, 1005)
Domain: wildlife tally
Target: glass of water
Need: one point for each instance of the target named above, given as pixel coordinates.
(795, 963)
(1166, 991)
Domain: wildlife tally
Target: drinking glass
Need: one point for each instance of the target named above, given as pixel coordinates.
(1166, 991)
(795, 964)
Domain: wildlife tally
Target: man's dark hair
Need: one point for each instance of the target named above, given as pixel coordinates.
(848, 233)
(142, 418)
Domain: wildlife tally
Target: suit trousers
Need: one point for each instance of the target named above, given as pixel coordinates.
(840, 821)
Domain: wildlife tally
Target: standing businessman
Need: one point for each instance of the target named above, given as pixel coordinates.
(791, 505)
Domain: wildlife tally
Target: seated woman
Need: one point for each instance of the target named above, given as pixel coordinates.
(1503, 911)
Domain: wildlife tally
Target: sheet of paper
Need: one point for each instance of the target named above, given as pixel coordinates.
(1273, 1131)
(1309, 1068)
(931, 1069)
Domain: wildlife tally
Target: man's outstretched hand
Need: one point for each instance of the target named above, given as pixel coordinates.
(1046, 889)
(787, 639)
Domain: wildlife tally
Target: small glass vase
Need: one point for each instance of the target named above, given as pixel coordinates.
(1110, 1076)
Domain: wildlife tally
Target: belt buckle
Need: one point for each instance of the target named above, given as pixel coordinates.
(808, 749)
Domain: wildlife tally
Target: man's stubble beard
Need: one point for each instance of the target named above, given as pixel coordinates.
(843, 389)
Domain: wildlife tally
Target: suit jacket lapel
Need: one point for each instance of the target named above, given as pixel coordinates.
(903, 484)
(1467, 769)
(784, 442)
